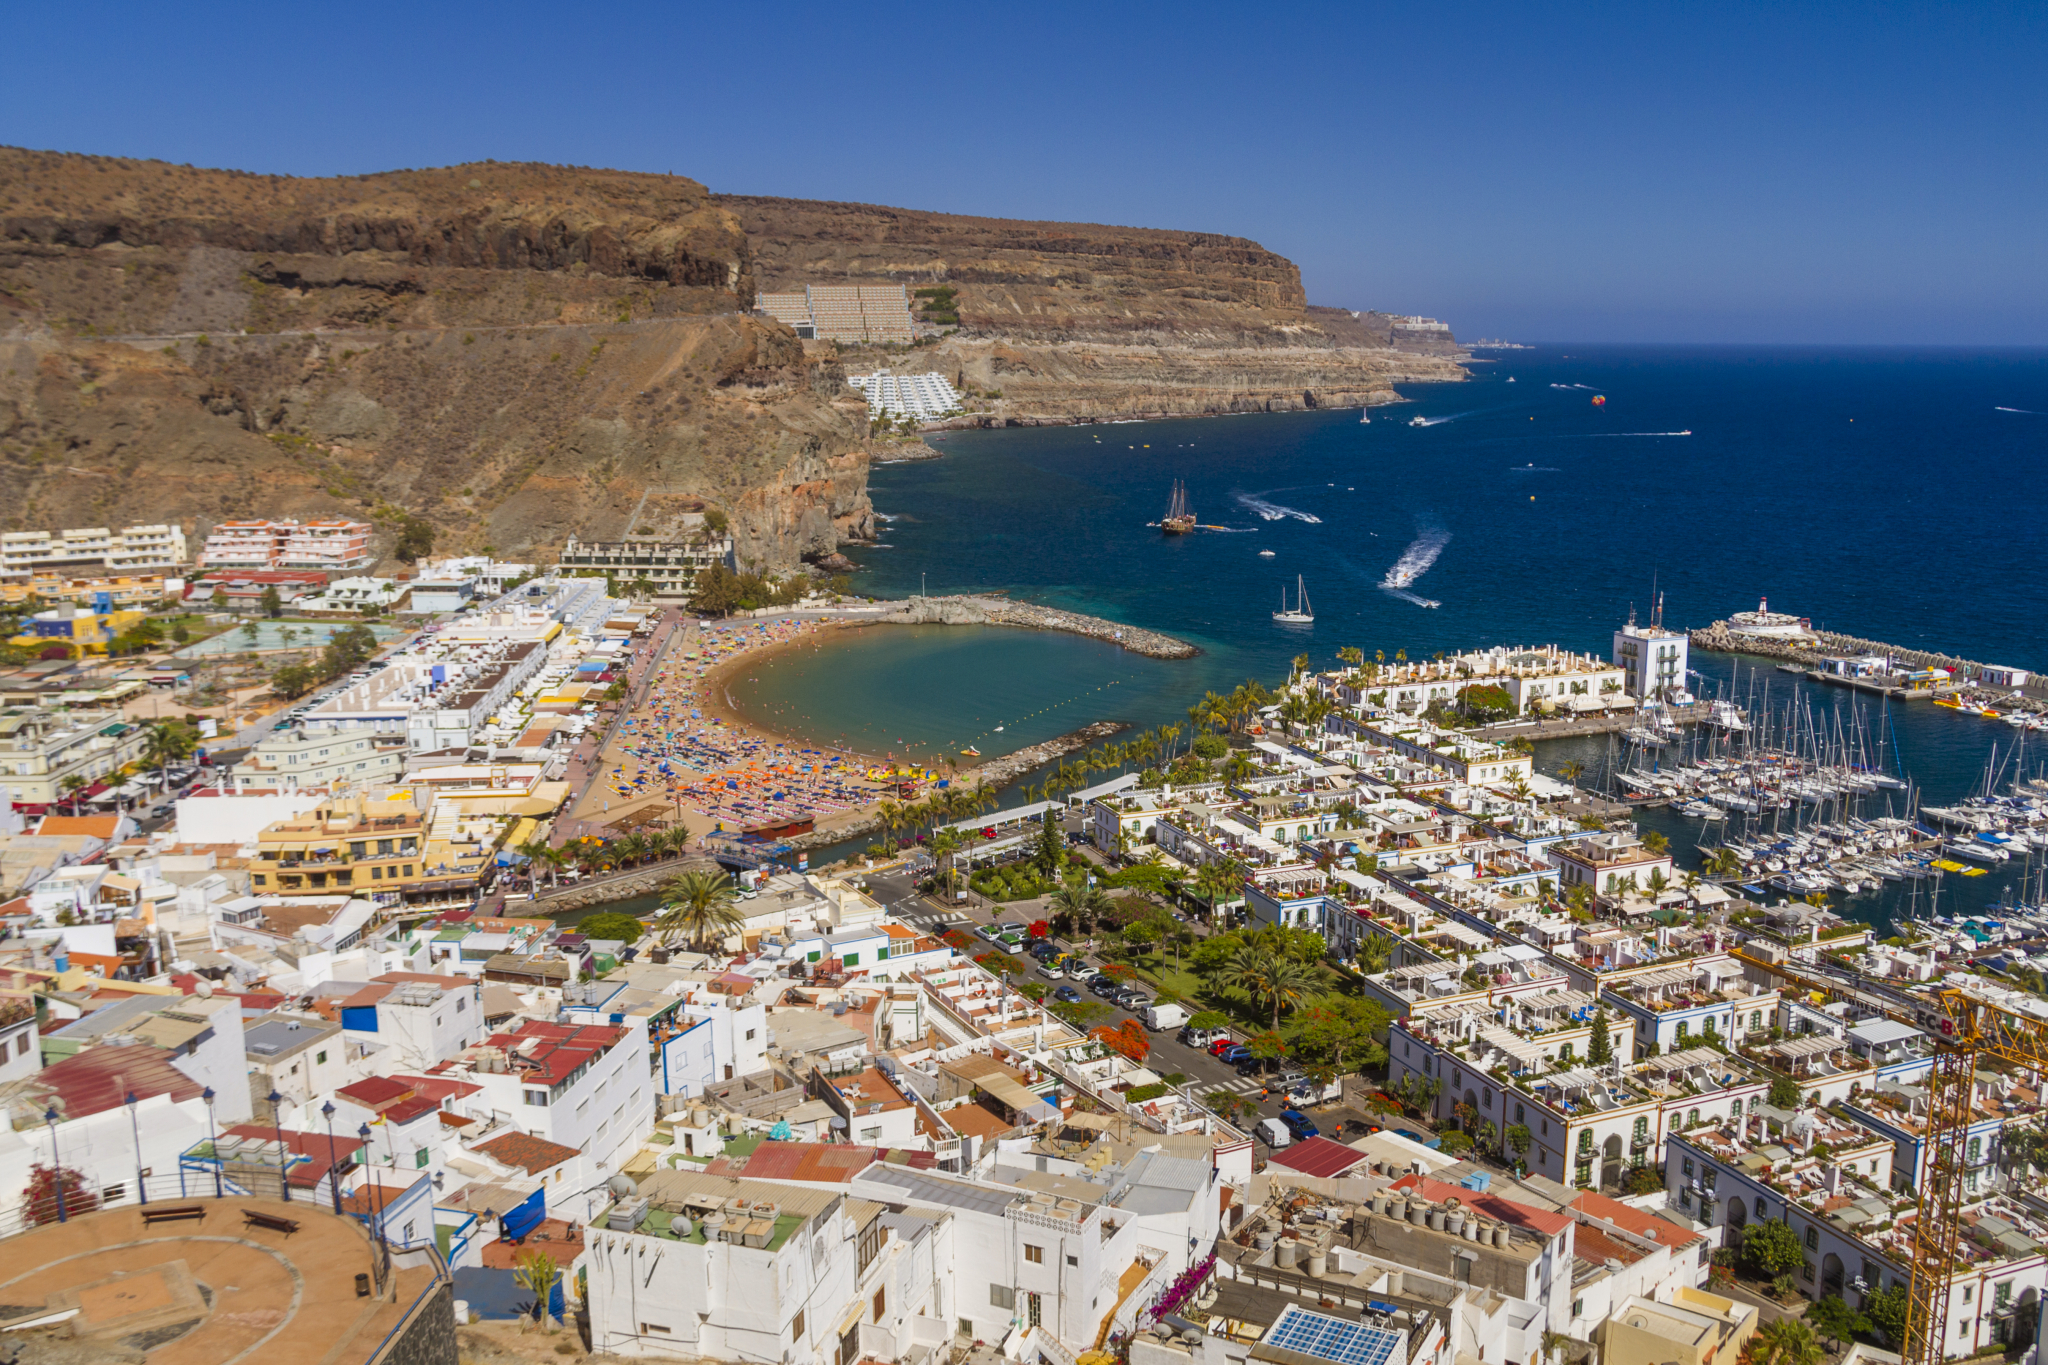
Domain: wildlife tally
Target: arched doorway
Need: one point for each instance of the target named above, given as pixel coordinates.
(1831, 1275)
(1610, 1160)
(1738, 1214)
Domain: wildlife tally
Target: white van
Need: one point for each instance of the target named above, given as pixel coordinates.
(1272, 1132)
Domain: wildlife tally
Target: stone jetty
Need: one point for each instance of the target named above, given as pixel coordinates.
(1001, 611)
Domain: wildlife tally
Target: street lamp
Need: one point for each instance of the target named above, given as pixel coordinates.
(368, 1152)
(56, 1171)
(284, 1183)
(135, 1127)
(333, 1180)
(212, 1142)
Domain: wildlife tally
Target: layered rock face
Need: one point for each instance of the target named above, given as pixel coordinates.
(1074, 321)
(516, 353)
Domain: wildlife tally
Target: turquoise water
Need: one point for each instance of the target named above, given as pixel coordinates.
(1896, 495)
(271, 635)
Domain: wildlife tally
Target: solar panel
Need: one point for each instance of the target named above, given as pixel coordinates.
(1328, 1338)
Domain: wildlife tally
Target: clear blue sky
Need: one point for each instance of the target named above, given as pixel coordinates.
(1731, 172)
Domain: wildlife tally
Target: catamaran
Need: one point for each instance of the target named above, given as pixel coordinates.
(1301, 614)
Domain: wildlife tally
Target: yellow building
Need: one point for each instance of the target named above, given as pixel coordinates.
(86, 631)
(1694, 1328)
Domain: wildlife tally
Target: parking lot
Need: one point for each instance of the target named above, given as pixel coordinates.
(1205, 1073)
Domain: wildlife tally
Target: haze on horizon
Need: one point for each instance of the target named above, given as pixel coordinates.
(1741, 173)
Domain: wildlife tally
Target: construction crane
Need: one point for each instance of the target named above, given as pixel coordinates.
(1963, 1026)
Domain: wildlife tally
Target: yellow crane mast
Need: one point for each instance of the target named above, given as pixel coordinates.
(1963, 1027)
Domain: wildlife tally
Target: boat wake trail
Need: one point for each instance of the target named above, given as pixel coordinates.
(1273, 511)
(1414, 562)
(1439, 421)
(1535, 469)
(2025, 412)
(1633, 433)
(1590, 388)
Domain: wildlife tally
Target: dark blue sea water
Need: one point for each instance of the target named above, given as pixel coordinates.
(1898, 495)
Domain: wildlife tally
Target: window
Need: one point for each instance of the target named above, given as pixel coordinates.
(1688, 1166)
(871, 1135)
(796, 1326)
(648, 1329)
(21, 1046)
(1003, 1297)
(460, 1004)
(1518, 1113)
(1812, 1240)
(750, 1035)
(537, 1098)
(1966, 1293)
(1685, 1199)
(1073, 1260)
(1976, 1150)
(1486, 1099)
(1759, 1206)
(1806, 1272)
(1035, 1255)
(2001, 1294)
(880, 1302)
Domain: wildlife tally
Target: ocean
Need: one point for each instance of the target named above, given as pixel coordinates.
(1897, 495)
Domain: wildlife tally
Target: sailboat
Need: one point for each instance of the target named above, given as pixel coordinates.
(1301, 615)
(1179, 518)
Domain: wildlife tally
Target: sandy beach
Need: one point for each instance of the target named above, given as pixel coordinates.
(687, 751)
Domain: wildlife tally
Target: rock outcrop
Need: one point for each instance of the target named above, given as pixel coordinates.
(1063, 322)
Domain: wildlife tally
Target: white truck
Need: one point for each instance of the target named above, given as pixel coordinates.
(1158, 1016)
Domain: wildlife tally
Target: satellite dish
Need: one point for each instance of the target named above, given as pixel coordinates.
(838, 1124)
(622, 1186)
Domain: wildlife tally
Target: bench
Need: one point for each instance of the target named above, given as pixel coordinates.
(254, 1218)
(160, 1214)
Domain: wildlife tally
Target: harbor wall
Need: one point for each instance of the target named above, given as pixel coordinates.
(1001, 611)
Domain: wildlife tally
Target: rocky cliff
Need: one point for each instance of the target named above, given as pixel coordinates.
(1073, 321)
(520, 353)
(516, 353)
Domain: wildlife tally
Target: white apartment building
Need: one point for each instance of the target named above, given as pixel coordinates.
(706, 1267)
(1652, 660)
(584, 1086)
(128, 550)
(40, 750)
(907, 395)
(319, 757)
(331, 543)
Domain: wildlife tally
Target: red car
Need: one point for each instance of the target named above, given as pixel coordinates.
(1221, 1045)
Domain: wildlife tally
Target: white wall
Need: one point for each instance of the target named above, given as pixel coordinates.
(236, 819)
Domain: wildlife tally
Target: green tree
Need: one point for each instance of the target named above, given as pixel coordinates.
(273, 605)
(697, 906)
(1051, 849)
(180, 633)
(348, 648)
(1454, 1143)
(1343, 1029)
(1886, 1309)
(1655, 842)
(716, 591)
(415, 540)
(611, 924)
(536, 1274)
(1209, 1019)
(1079, 904)
(1269, 977)
(1784, 1093)
(1519, 1139)
(293, 680)
(1787, 1341)
(1771, 1248)
(1835, 1320)
(1600, 1046)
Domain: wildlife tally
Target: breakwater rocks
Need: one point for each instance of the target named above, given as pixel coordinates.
(1827, 644)
(1001, 611)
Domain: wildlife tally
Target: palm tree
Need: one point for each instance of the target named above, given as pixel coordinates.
(1215, 881)
(944, 843)
(1270, 977)
(1788, 1341)
(630, 849)
(1351, 655)
(698, 906)
(1080, 903)
(1375, 954)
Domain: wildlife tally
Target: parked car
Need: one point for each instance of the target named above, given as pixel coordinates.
(1017, 929)
(1103, 985)
(1248, 1065)
(1051, 971)
(1235, 1054)
(1067, 995)
(1298, 1125)
(1414, 1136)
(1045, 951)
(1222, 1044)
(1131, 998)
(1200, 1037)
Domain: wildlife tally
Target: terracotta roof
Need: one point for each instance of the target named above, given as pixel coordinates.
(1631, 1219)
(830, 1163)
(1593, 1246)
(1319, 1156)
(526, 1152)
(101, 1078)
(98, 826)
(375, 1093)
(1492, 1205)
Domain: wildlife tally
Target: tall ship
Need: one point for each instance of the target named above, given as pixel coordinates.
(1179, 518)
